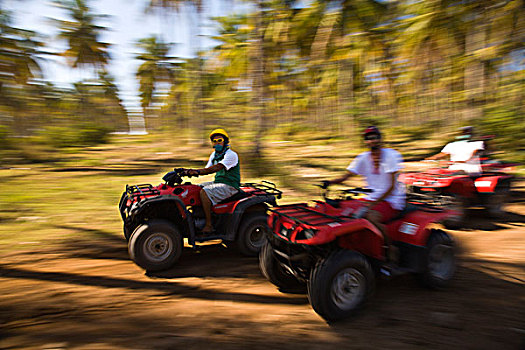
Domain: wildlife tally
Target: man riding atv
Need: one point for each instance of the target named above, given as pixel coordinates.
(224, 162)
(464, 153)
(380, 167)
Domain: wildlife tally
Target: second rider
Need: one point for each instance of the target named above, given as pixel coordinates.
(380, 168)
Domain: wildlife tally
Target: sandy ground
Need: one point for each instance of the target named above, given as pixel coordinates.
(89, 295)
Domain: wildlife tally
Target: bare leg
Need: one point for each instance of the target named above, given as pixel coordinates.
(206, 206)
(375, 218)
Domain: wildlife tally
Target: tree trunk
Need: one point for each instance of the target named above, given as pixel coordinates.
(474, 71)
(257, 81)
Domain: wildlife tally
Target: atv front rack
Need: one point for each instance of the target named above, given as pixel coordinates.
(142, 190)
(303, 214)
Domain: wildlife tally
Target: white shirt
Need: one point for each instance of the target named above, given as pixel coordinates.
(230, 159)
(379, 181)
(463, 151)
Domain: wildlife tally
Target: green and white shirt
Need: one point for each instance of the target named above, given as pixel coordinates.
(231, 174)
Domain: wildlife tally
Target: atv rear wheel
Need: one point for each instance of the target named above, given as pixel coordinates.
(277, 274)
(155, 246)
(252, 233)
(496, 202)
(440, 261)
(340, 284)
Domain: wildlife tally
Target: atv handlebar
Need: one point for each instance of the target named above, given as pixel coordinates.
(175, 176)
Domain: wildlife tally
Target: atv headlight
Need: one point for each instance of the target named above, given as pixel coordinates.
(309, 233)
(284, 231)
(305, 234)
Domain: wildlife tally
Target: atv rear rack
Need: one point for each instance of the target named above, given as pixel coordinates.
(263, 189)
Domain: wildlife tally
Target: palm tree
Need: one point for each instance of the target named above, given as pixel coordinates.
(112, 103)
(18, 51)
(82, 35)
(430, 39)
(463, 38)
(156, 68)
(341, 39)
(177, 5)
(18, 66)
(231, 55)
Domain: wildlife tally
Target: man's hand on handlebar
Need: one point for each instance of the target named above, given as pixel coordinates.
(188, 172)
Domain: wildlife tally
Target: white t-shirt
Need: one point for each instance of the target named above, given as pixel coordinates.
(462, 151)
(391, 162)
(230, 159)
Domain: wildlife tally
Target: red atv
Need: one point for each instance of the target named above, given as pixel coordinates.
(335, 256)
(459, 191)
(158, 218)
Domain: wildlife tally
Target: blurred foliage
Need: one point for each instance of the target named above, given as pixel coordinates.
(80, 135)
(417, 131)
(508, 126)
(316, 70)
(4, 137)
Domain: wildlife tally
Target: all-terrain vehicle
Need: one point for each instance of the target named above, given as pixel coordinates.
(335, 256)
(158, 218)
(459, 190)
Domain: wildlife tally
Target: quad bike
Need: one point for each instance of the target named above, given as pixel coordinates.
(333, 255)
(158, 218)
(459, 190)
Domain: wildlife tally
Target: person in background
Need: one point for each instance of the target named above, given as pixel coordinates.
(463, 153)
(224, 162)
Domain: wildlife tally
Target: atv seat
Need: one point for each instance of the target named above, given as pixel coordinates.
(237, 196)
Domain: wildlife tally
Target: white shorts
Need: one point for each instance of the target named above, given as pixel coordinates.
(471, 169)
(218, 191)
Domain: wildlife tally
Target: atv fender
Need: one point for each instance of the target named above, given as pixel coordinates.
(413, 228)
(122, 205)
(361, 236)
(488, 184)
(241, 207)
(165, 207)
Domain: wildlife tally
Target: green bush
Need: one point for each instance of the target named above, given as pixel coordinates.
(4, 137)
(506, 124)
(79, 135)
(291, 130)
(417, 132)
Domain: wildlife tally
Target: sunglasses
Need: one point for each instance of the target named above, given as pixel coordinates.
(217, 140)
(372, 137)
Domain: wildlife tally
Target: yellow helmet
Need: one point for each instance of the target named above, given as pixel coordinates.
(219, 131)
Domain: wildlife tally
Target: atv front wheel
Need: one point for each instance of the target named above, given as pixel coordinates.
(440, 261)
(252, 234)
(127, 232)
(155, 246)
(277, 274)
(340, 284)
(457, 204)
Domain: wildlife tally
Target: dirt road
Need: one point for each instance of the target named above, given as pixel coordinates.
(89, 295)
